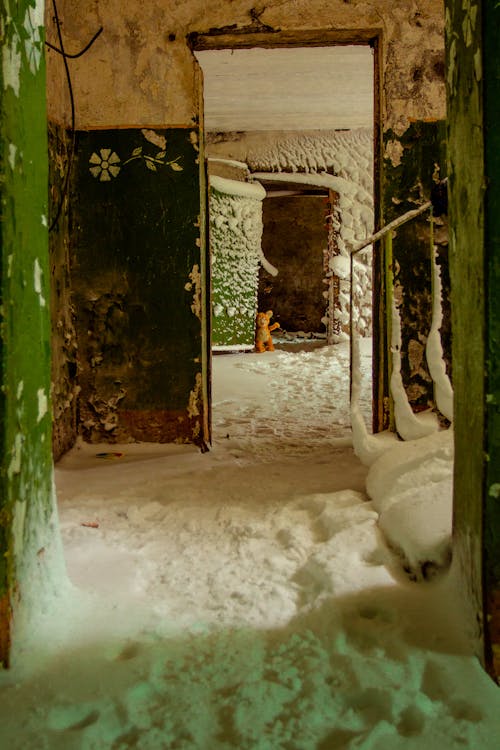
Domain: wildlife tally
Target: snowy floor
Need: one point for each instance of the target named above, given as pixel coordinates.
(247, 597)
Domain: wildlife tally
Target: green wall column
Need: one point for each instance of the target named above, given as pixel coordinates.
(26, 487)
(473, 84)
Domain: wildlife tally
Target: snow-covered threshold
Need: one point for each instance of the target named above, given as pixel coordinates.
(247, 597)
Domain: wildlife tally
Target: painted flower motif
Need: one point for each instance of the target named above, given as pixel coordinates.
(105, 166)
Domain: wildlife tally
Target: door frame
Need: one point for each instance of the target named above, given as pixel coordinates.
(255, 36)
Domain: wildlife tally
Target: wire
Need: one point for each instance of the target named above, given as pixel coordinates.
(78, 54)
(72, 149)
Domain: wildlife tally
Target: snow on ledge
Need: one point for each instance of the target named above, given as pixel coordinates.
(235, 187)
(228, 162)
(338, 184)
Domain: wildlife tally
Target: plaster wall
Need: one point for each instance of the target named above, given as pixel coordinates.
(141, 70)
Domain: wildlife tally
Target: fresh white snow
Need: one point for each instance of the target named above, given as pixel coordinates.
(248, 597)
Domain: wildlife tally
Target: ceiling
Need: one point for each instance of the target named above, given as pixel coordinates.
(302, 88)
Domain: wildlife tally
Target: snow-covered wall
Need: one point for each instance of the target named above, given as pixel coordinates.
(308, 157)
(235, 211)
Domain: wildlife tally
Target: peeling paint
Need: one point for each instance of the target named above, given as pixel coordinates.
(12, 155)
(37, 280)
(11, 66)
(195, 281)
(155, 138)
(20, 388)
(16, 453)
(195, 397)
(394, 151)
(42, 404)
(495, 491)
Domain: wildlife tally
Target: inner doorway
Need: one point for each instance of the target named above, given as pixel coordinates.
(300, 121)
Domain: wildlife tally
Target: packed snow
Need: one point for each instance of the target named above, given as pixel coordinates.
(272, 593)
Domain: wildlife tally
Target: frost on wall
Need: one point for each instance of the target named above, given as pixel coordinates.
(235, 238)
(347, 155)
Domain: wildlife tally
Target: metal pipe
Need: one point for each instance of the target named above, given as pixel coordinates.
(408, 216)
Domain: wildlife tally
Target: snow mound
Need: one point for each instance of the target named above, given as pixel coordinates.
(411, 486)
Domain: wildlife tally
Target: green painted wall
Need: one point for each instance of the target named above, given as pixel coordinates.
(26, 492)
(473, 82)
(136, 271)
(418, 161)
(235, 244)
(491, 54)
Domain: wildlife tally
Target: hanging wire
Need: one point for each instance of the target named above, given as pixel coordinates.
(71, 153)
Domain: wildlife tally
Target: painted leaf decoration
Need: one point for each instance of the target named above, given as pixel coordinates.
(176, 167)
(151, 166)
(137, 151)
(161, 154)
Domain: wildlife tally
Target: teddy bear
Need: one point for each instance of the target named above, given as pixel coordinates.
(263, 330)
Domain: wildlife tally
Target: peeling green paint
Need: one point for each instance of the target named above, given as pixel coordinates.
(26, 487)
(473, 30)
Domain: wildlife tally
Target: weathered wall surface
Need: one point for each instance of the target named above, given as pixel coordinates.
(26, 491)
(140, 72)
(64, 388)
(417, 162)
(293, 241)
(346, 154)
(136, 276)
(473, 78)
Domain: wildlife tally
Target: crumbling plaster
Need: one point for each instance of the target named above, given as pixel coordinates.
(141, 71)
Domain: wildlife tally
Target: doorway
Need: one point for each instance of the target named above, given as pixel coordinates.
(299, 119)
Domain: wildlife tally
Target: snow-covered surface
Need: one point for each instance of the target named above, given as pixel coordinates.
(408, 424)
(342, 162)
(443, 391)
(235, 187)
(235, 210)
(246, 597)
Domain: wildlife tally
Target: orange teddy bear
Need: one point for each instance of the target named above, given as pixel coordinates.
(263, 338)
